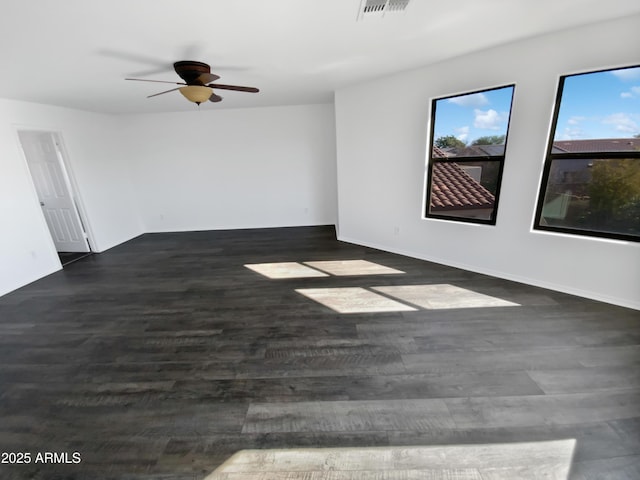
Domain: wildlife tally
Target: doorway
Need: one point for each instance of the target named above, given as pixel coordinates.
(46, 160)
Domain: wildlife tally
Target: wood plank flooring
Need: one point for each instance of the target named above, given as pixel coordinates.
(550, 460)
(164, 356)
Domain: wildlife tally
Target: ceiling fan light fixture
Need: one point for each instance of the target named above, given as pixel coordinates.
(196, 77)
(196, 93)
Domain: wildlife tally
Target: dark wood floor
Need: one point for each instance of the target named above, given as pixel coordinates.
(162, 357)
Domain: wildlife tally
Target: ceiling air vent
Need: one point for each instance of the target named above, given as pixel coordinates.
(378, 8)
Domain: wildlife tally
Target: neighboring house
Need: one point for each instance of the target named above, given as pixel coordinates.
(572, 176)
(596, 145)
(456, 189)
(473, 151)
(456, 192)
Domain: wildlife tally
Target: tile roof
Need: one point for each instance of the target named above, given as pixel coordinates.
(439, 153)
(453, 189)
(596, 145)
(474, 151)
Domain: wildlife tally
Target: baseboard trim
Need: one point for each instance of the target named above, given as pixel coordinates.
(622, 302)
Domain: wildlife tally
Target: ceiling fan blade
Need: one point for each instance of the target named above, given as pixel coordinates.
(135, 57)
(237, 88)
(152, 71)
(166, 91)
(208, 78)
(215, 98)
(156, 81)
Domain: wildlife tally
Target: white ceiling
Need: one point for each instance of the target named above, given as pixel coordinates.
(76, 53)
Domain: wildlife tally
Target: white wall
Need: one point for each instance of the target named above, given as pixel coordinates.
(381, 149)
(213, 169)
(242, 168)
(99, 173)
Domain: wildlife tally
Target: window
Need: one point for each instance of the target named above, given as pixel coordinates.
(466, 155)
(591, 179)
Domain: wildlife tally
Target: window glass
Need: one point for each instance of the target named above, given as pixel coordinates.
(468, 141)
(591, 182)
(599, 105)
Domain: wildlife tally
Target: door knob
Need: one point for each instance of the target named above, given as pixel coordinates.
(42, 204)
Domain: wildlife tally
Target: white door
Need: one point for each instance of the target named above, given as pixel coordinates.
(54, 191)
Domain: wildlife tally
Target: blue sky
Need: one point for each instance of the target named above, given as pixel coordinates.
(474, 115)
(594, 105)
(600, 105)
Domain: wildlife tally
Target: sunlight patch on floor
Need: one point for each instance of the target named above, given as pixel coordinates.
(353, 267)
(284, 270)
(507, 461)
(442, 296)
(321, 269)
(353, 300)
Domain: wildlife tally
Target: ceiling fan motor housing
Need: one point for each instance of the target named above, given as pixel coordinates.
(190, 71)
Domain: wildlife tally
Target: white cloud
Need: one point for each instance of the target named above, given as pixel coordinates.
(634, 92)
(471, 100)
(462, 133)
(627, 74)
(622, 122)
(571, 133)
(489, 119)
(575, 120)
(573, 129)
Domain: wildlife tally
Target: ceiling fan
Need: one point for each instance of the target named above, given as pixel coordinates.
(197, 78)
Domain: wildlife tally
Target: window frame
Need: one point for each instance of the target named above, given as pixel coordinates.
(550, 157)
(500, 159)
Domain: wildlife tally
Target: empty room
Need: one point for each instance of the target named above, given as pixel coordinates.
(350, 239)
